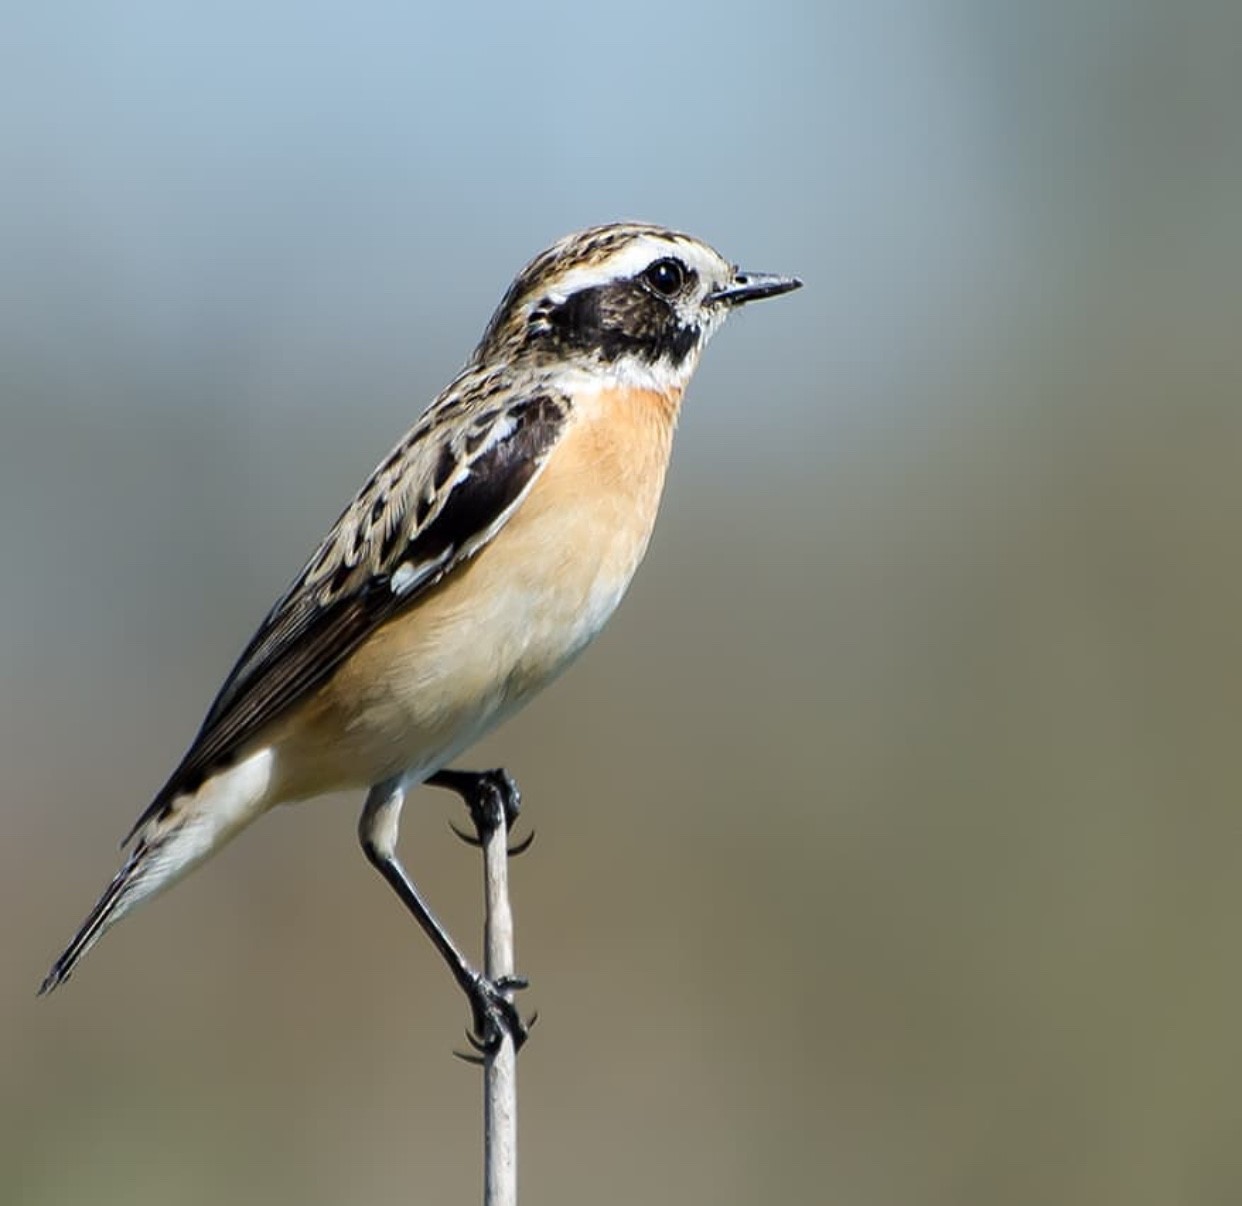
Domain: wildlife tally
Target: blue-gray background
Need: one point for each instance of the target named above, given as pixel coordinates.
(889, 839)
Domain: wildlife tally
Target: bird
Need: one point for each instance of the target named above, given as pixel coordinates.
(482, 555)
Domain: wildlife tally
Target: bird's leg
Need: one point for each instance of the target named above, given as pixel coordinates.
(493, 1013)
(494, 801)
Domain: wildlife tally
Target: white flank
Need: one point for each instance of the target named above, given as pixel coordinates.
(201, 824)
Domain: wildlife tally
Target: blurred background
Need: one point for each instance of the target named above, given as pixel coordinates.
(889, 839)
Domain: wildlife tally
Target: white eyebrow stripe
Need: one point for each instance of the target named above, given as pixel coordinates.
(629, 261)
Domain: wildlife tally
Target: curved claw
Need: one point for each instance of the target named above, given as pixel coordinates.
(517, 848)
(516, 1028)
(523, 846)
(495, 1016)
(468, 838)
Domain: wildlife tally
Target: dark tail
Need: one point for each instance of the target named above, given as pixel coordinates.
(111, 906)
(174, 841)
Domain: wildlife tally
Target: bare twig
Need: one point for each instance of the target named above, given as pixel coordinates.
(500, 1061)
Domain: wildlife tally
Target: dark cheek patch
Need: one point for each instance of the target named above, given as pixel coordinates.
(620, 319)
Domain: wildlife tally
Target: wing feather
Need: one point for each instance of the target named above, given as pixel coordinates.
(437, 500)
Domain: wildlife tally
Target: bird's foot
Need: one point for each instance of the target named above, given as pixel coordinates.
(493, 798)
(495, 1017)
(496, 796)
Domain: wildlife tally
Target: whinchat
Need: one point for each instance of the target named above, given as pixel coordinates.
(479, 559)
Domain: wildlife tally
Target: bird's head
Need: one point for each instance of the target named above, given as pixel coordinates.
(631, 301)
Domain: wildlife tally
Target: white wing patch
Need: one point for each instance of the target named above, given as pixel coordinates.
(407, 575)
(403, 578)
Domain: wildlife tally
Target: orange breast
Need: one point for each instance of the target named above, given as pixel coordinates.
(499, 628)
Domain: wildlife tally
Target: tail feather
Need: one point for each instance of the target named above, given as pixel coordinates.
(109, 909)
(173, 842)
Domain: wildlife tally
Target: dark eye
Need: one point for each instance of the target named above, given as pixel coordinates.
(666, 277)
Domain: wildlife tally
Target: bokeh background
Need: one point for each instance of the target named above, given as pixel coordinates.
(889, 840)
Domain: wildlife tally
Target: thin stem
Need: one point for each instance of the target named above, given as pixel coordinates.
(500, 1063)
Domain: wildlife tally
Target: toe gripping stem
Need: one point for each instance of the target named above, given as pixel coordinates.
(494, 802)
(490, 796)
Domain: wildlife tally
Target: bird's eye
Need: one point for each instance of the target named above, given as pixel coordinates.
(666, 277)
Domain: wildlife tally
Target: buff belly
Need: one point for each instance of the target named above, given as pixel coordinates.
(480, 644)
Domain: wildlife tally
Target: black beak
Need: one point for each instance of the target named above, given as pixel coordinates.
(751, 286)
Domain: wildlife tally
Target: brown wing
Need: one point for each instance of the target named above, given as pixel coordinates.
(438, 499)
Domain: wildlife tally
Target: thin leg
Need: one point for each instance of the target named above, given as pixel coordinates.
(377, 831)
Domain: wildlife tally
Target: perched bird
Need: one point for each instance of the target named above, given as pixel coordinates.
(482, 555)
